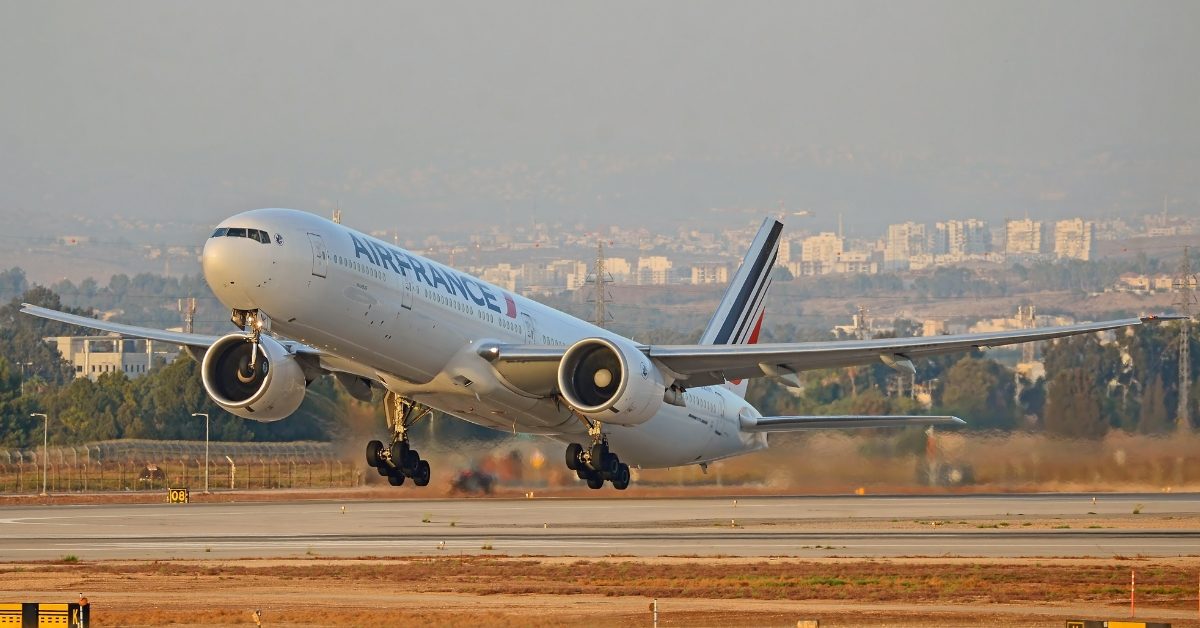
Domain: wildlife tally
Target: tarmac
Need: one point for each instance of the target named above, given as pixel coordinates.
(998, 526)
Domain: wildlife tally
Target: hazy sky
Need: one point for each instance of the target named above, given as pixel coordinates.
(432, 113)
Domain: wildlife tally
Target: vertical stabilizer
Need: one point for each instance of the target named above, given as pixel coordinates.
(739, 317)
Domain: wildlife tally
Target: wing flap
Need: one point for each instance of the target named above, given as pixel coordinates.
(801, 423)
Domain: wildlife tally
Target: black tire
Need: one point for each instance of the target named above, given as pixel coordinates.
(383, 469)
(398, 450)
(411, 460)
(574, 456)
(611, 465)
(395, 479)
(621, 481)
(421, 473)
(595, 481)
(597, 454)
(374, 448)
(582, 473)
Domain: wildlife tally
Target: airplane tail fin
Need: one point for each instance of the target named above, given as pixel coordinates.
(739, 317)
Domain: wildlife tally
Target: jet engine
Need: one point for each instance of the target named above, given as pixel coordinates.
(610, 381)
(270, 389)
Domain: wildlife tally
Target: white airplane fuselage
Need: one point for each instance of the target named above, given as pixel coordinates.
(385, 314)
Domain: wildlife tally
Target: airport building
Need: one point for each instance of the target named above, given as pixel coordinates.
(93, 356)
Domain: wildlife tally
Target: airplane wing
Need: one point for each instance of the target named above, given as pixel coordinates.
(194, 342)
(704, 365)
(800, 423)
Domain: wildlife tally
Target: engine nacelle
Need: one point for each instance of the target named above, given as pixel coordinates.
(272, 390)
(610, 382)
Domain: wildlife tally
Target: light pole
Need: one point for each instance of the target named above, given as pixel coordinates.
(205, 415)
(45, 446)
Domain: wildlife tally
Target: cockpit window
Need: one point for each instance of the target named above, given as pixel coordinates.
(258, 235)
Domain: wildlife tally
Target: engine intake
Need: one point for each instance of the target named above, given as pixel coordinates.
(272, 390)
(611, 382)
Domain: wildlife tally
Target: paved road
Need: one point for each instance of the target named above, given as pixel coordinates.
(772, 526)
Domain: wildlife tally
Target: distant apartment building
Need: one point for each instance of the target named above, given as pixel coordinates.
(903, 242)
(93, 356)
(618, 268)
(819, 254)
(1025, 237)
(502, 275)
(961, 238)
(856, 263)
(710, 273)
(654, 270)
(1074, 239)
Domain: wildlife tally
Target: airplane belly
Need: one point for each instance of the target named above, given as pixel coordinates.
(673, 437)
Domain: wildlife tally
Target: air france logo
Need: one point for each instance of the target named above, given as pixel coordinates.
(433, 275)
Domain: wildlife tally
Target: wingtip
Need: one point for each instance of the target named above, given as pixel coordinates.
(1154, 318)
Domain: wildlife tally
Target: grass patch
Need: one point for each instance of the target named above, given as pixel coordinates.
(69, 558)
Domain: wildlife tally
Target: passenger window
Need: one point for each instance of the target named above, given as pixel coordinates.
(220, 232)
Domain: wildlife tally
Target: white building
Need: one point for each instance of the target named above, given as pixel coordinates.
(961, 238)
(93, 356)
(1024, 237)
(903, 242)
(819, 253)
(1073, 239)
(710, 273)
(654, 270)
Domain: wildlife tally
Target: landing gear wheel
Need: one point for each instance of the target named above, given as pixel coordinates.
(410, 461)
(396, 479)
(595, 482)
(398, 451)
(621, 479)
(384, 470)
(374, 448)
(574, 456)
(610, 465)
(420, 474)
(583, 473)
(596, 456)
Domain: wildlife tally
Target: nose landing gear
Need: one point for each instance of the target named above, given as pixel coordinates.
(399, 460)
(596, 463)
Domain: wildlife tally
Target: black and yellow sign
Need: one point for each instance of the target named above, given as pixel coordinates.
(34, 615)
(177, 495)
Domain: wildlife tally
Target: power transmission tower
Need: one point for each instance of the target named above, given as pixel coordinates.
(862, 326)
(599, 280)
(1185, 286)
(1025, 315)
(189, 313)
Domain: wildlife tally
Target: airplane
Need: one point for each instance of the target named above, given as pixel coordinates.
(312, 297)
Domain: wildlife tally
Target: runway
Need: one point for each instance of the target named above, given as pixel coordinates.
(853, 526)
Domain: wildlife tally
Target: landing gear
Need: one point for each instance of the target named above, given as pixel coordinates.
(398, 460)
(596, 463)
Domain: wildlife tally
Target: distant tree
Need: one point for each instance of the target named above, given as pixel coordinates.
(982, 392)
(1153, 418)
(1073, 405)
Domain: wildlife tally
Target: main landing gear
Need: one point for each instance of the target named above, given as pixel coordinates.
(596, 463)
(398, 460)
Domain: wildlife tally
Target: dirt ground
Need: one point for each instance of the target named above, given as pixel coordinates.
(612, 591)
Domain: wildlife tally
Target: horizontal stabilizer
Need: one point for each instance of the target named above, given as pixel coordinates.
(840, 422)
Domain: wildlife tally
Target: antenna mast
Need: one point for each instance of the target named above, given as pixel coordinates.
(1185, 285)
(600, 278)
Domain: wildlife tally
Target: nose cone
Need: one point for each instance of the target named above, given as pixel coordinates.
(231, 267)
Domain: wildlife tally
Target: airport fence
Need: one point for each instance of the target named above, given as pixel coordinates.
(149, 465)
